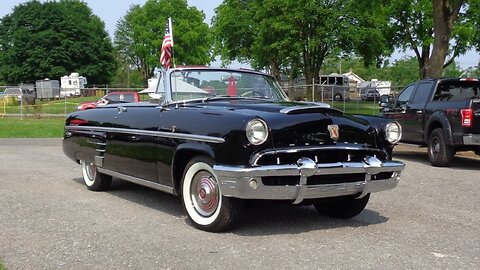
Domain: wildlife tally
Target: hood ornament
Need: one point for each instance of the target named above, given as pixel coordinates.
(334, 132)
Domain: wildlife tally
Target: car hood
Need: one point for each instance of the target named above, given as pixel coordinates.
(301, 124)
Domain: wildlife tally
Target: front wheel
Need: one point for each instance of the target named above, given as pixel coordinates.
(94, 180)
(337, 97)
(439, 153)
(344, 207)
(202, 199)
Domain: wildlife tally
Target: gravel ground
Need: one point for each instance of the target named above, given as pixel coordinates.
(49, 220)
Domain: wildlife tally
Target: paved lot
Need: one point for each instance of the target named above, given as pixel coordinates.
(49, 220)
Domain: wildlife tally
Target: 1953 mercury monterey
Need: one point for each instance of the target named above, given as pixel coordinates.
(218, 137)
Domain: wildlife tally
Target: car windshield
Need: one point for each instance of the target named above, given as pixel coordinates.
(120, 97)
(12, 91)
(209, 84)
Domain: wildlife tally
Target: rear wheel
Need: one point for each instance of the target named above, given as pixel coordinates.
(341, 207)
(94, 180)
(439, 153)
(202, 198)
(337, 97)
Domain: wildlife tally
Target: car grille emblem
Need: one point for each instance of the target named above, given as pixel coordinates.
(334, 132)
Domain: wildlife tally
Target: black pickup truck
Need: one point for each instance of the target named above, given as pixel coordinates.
(441, 114)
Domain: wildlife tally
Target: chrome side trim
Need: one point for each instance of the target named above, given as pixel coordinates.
(97, 143)
(254, 159)
(191, 137)
(138, 181)
(304, 108)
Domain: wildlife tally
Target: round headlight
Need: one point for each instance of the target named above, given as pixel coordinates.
(257, 131)
(393, 132)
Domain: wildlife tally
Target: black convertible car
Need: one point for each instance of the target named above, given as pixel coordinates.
(218, 137)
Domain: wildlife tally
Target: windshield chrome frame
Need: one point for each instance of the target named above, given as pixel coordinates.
(167, 83)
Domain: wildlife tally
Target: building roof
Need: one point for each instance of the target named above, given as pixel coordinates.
(353, 77)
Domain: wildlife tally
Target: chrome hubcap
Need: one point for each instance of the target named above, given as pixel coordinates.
(90, 170)
(204, 193)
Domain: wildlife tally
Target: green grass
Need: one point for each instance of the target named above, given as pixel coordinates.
(2, 266)
(357, 107)
(60, 106)
(31, 128)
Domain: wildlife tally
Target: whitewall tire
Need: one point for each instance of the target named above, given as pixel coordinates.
(93, 179)
(202, 199)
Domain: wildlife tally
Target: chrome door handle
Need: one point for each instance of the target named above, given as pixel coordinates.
(121, 109)
(419, 111)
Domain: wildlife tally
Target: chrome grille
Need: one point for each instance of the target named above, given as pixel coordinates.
(328, 154)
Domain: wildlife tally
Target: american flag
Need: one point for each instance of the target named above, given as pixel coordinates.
(167, 44)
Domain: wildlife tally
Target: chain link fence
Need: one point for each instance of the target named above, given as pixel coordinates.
(350, 99)
(26, 104)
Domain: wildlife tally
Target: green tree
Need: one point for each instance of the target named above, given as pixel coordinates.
(436, 30)
(452, 70)
(370, 32)
(53, 39)
(403, 71)
(139, 35)
(283, 36)
(124, 75)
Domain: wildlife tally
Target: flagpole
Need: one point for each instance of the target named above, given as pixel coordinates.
(171, 35)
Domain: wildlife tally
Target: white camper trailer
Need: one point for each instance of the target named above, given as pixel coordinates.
(72, 85)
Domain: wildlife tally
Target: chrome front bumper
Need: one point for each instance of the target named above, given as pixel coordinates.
(246, 182)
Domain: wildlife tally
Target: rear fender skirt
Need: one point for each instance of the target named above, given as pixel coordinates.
(439, 117)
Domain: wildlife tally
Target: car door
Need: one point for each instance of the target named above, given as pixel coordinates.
(414, 120)
(137, 149)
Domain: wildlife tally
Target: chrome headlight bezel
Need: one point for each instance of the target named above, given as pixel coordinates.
(256, 131)
(393, 132)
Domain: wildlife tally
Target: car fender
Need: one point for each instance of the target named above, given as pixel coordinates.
(377, 122)
(183, 154)
(438, 120)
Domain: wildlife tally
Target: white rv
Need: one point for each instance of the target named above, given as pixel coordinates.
(72, 85)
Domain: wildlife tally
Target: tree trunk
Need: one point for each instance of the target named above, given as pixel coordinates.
(444, 16)
(275, 70)
(424, 62)
(441, 30)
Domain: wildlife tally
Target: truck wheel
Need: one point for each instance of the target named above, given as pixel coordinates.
(337, 97)
(341, 207)
(439, 153)
(202, 199)
(94, 180)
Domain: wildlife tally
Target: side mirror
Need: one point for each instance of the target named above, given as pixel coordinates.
(384, 104)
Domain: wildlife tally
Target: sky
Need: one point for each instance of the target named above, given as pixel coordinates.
(110, 13)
